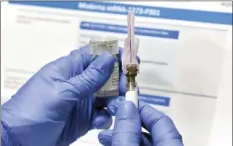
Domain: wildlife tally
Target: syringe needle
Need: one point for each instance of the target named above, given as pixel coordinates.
(131, 45)
(131, 17)
(130, 62)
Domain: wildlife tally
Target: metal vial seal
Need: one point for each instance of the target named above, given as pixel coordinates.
(97, 47)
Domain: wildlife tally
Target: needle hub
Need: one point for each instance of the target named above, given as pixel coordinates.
(131, 77)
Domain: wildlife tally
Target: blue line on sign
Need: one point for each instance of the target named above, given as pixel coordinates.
(144, 11)
(156, 100)
(162, 33)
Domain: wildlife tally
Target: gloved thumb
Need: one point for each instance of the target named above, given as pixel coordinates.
(127, 128)
(95, 76)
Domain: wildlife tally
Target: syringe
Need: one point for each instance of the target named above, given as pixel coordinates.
(130, 63)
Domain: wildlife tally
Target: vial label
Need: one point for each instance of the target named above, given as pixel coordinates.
(111, 87)
(97, 47)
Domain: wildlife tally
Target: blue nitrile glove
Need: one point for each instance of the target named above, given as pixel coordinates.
(55, 107)
(125, 133)
(127, 129)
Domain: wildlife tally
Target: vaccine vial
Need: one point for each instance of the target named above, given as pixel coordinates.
(96, 48)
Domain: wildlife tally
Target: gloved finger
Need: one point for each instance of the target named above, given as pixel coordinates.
(81, 55)
(113, 103)
(94, 77)
(105, 138)
(122, 84)
(101, 119)
(161, 127)
(127, 128)
(70, 65)
(146, 139)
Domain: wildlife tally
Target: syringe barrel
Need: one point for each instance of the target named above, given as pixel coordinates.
(132, 95)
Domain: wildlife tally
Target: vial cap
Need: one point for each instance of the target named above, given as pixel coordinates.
(99, 45)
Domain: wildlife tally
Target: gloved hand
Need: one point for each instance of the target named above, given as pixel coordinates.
(55, 107)
(127, 128)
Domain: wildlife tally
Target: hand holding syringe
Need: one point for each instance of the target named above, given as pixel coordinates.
(130, 63)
